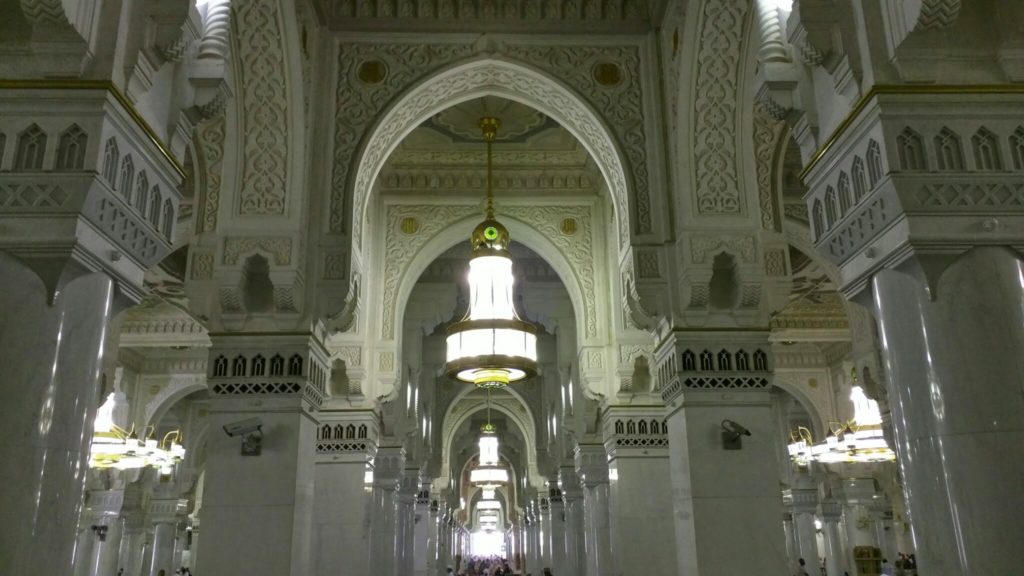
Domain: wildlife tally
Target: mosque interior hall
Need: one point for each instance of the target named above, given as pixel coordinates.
(511, 287)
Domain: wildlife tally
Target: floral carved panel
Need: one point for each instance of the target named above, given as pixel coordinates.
(715, 96)
(369, 77)
(264, 106)
(618, 98)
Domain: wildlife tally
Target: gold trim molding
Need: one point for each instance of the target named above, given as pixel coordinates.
(903, 89)
(109, 86)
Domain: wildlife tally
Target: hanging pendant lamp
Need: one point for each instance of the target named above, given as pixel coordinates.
(491, 346)
(488, 474)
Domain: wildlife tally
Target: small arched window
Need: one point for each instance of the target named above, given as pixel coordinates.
(71, 149)
(830, 207)
(239, 366)
(111, 156)
(127, 177)
(844, 193)
(859, 183)
(817, 214)
(948, 152)
(259, 365)
(277, 365)
(986, 150)
(760, 361)
(295, 366)
(911, 149)
(155, 203)
(220, 367)
(742, 360)
(31, 149)
(724, 360)
(142, 193)
(1016, 148)
(707, 363)
(168, 223)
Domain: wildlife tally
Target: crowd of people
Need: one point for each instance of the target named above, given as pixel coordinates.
(488, 566)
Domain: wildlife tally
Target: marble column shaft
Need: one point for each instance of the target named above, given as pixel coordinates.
(342, 498)
(105, 511)
(556, 539)
(727, 504)
(387, 472)
(51, 357)
(592, 469)
(835, 545)
(953, 358)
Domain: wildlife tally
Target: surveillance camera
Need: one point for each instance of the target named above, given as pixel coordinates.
(243, 427)
(735, 428)
(732, 434)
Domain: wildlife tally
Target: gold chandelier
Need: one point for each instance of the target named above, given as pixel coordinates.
(491, 346)
(114, 447)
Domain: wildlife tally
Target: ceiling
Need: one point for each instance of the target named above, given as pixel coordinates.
(480, 16)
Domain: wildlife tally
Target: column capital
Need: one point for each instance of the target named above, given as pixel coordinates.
(388, 467)
(901, 185)
(347, 436)
(283, 369)
(591, 464)
(712, 361)
(72, 203)
(635, 432)
(801, 500)
(167, 510)
(830, 510)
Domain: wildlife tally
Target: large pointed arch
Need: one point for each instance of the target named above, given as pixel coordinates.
(462, 407)
(491, 76)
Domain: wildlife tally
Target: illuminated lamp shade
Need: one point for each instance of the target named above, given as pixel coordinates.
(491, 346)
(488, 505)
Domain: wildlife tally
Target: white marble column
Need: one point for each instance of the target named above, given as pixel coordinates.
(108, 525)
(723, 454)
(636, 442)
(557, 540)
(592, 469)
(544, 534)
(952, 354)
(406, 542)
(133, 543)
(433, 553)
(791, 548)
(51, 354)
(84, 542)
(575, 544)
(884, 535)
(831, 512)
(802, 503)
(164, 515)
(340, 514)
(262, 502)
(421, 545)
(387, 474)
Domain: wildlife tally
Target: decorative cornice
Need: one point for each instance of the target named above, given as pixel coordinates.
(861, 104)
(123, 100)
